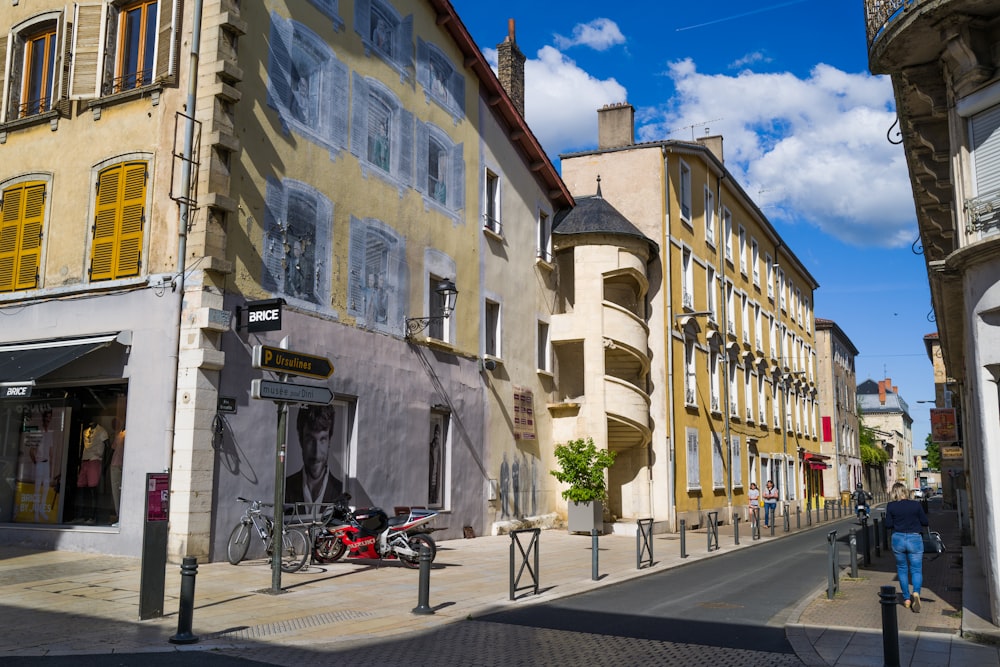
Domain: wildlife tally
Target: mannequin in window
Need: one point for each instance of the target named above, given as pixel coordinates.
(95, 439)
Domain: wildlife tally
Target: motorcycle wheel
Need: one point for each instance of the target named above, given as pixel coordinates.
(328, 549)
(415, 542)
(294, 550)
(239, 543)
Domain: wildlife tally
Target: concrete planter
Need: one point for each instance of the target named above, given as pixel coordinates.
(584, 517)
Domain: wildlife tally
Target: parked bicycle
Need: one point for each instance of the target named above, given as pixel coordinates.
(294, 543)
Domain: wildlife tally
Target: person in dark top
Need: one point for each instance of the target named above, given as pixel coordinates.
(906, 519)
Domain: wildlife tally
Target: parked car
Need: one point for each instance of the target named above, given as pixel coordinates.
(918, 493)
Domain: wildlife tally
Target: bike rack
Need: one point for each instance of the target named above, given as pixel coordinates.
(531, 550)
(644, 543)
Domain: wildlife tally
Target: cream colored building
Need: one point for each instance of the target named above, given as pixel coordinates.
(727, 365)
(840, 437)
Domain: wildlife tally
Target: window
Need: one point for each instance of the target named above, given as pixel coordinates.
(440, 168)
(685, 193)
(789, 476)
(385, 33)
(733, 398)
(714, 359)
(122, 46)
(736, 460)
(712, 305)
(693, 463)
(687, 279)
(437, 451)
(781, 288)
(769, 266)
(748, 392)
(439, 327)
(441, 80)
(491, 202)
(775, 404)
(544, 241)
(727, 232)
(39, 64)
(730, 309)
(761, 400)
(690, 374)
(21, 224)
(298, 222)
(377, 272)
(743, 250)
(381, 131)
(307, 85)
(36, 55)
(491, 344)
(745, 311)
(119, 221)
(755, 261)
(544, 355)
(758, 328)
(718, 465)
(709, 216)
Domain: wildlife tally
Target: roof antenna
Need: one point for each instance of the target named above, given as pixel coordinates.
(599, 186)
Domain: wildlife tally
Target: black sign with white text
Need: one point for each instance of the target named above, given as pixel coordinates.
(264, 315)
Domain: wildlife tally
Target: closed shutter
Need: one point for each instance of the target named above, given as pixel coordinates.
(359, 117)
(62, 64)
(170, 17)
(340, 93)
(985, 128)
(21, 236)
(423, 64)
(4, 59)
(116, 249)
(129, 261)
(356, 260)
(363, 19)
(457, 88)
(272, 272)
(422, 167)
(279, 68)
(456, 189)
(13, 97)
(87, 48)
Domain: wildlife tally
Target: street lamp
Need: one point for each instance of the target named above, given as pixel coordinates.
(449, 293)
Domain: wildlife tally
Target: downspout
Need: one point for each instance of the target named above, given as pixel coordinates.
(185, 212)
(725, 349)
(668, 275)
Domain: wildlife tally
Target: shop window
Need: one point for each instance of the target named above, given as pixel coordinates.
(385, 34)
(440, 168)
(441, 80)
(23, 212)
(119, 222)
(381, 132)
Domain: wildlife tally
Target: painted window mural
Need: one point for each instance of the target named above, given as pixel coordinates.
(307, 85)
(386, 34)
(298, 242)
(440, 168)
(441, 80)
(332, 10)
(381, 132)
(377, 281)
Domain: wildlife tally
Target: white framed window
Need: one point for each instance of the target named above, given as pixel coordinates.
(761, 399)
(714, 362)
(781, 290)
(693, 459)
(748, 393)
(440, 327)
(687, 279)
(730, 308)
(685, 192)
(543, 240)
(491, 202)
(755, 261)
(772, 337)
(734, 402)
(709, 216)
(442, 81)
(758, 328)
(375, 283)
(690, 374)
(727, 232)
(38, 49)
(491, 329)
(718, 464)
(711, 294)
(769, 269)
(385, 33)
(544, 348)
(382, 132)
(440, 168)
(775, 403)
(789, 477)
(743, 250)
(736, 457)
(745, 311)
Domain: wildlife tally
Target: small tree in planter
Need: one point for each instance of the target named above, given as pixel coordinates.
(582, 467)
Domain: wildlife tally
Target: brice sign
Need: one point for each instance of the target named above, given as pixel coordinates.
(262, 315)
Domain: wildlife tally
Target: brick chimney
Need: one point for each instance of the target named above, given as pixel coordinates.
(714, 144)
(881, 392)
(616, 125)
(510, 68)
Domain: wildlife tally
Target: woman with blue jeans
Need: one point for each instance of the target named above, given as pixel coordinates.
(770, 502)
(907, 520)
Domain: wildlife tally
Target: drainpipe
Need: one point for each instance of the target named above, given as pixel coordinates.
(185, 212)
(725, 350)
(672, 427)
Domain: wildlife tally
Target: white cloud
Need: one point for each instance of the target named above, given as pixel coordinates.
(749, 59)
(561, 100)
(599, 34)
(810, 150)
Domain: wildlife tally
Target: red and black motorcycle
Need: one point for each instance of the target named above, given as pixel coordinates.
(371, 533)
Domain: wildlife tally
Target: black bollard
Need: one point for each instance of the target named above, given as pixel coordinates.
(866, 541)
(424, 587)
(853, 541)
(683, 539)
(878, 543)
(787, 527)
(593, 554)
(890, 627)
(736, 529)
(185, 611)
(798, 517)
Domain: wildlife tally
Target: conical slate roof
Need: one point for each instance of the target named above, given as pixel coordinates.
(593, 214)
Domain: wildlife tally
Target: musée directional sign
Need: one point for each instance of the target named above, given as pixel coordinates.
(286, 361)
(290, 392)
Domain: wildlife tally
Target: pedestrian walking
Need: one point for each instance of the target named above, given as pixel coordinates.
(770, 502)
(906, 519)
(753, 497)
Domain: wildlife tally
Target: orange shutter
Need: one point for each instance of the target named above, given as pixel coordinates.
(129, 259)
(21, 236)
(102, 249)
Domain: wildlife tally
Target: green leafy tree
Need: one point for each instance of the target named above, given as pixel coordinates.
(871, 453)
(933, 453)
(582, 467)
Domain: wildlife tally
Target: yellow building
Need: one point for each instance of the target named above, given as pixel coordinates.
(727, 367)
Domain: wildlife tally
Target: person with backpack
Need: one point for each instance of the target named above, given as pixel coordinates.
(861, 500)
(770, 503)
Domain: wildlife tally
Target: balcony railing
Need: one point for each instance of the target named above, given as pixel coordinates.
(982, 213)
(879, 13)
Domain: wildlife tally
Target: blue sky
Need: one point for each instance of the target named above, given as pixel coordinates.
(805, 131)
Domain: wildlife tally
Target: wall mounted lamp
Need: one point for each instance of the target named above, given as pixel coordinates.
(449, 293)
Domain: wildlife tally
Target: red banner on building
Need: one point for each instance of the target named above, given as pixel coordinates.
(524, 414)
(944, 427)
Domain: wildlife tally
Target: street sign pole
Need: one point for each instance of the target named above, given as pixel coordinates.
(279, 489)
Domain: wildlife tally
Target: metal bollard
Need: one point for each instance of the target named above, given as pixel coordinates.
(424, 586)
(593, 554)
(890, 627)
(826, 511)
(683, 539)
(878, 542)
(809, 516)
(772, 526)
(185, 611)
(736, 529)
(833, 573)
(853, 542)
(866, 541)
(798, 517)
(787, 527)
(755, 528)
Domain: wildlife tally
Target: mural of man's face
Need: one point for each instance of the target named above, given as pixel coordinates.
(315, 451)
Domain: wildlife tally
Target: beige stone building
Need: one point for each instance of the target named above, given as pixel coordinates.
(839, 434)
(716, 339)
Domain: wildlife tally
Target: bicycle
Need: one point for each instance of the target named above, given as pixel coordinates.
(294, 544)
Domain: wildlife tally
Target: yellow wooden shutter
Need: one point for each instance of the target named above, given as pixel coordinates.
(9, 231)
(102, 248)
(129, 259)
(30, 254)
